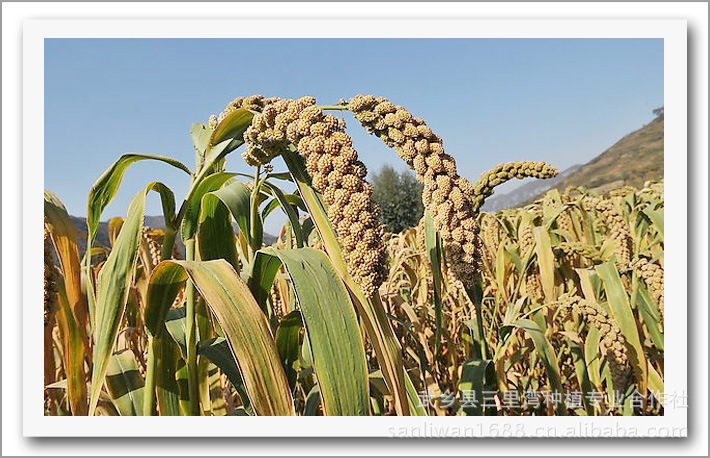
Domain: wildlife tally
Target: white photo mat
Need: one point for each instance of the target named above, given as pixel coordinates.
(673, 423)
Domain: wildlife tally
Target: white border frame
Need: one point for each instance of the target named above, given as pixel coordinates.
(672, 31)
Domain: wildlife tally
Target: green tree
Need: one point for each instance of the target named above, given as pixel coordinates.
(399, 196)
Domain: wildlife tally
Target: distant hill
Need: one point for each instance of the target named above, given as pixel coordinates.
(633, 160)
(154, 222)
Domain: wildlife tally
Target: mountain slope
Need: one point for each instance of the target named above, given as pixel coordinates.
(633, 160)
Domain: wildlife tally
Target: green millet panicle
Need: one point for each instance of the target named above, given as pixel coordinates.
(581, 249)
(652, 275)
(623, 191)
(335, 171)
(612, 340)
(445, 193)
(565, 224)
(253, 103)
(526, 241)
(490, 236)
(262, 141)
(618, 229)
(505, 172)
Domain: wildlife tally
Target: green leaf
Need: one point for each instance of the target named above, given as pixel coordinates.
(73, 315)
(476, 376)
(163, 287)
(114, 283)
(657, 218)
(192, 212)
(125, 384)
(592, 357)
(200, 135)
(415, 407)
(313, 401)
(262, 276)
(370, 310)
(246, 330)
(73, 353)
(623, 314)
(216, 233)
(236, 196)
(232, 127)
(167, 392)
(547, 355)
(332, 328)
(227, 136)
(290, 210)
(217, 351)
(546, 261)
(650, 313)
(580, 368)
(176, 327)
(106, 187)
(288, 343)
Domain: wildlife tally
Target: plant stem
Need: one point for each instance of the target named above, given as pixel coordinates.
(474, 293)
(256, 235)
(334, 107)
(191, 337)
(168, 243)
(149, 391)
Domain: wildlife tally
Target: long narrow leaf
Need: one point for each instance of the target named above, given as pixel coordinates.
(246, 330)
(547, 354)
(333, 331)
(125, 384)
(108, 183)
(370, 309)
(624, 316)
(113, 287)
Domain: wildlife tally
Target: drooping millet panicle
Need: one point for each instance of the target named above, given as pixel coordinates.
(652, 275)
(623, 191)
(501, 173)
(153, 246)
(154, 240)
(490, 236)
(618, 229)
(565, 224)
(579, 249)
(263, 140)
(445, 192)
(277, 303)
(612, 340)
(526, 242)
(252, 102)
(335, 171)
(339, 176)
(50, 279)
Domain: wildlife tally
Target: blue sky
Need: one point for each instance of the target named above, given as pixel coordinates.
(563, 101)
